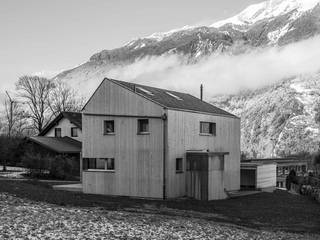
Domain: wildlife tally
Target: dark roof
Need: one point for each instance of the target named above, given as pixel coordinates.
(161, 96)
(276, 160)
(74, 117)
(59, 145)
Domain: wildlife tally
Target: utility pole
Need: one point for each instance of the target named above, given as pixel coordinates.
(10, 114)
(10, 120)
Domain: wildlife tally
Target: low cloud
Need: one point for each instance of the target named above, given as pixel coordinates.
(225, 74)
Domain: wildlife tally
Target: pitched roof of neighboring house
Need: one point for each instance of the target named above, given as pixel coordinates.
(59, 145)
(171, 99)
(74, 117)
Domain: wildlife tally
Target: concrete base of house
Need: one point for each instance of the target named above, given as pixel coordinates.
(69, 187)
(242, 193)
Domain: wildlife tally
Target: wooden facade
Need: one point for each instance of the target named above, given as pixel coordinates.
(145, 164)
(184, 135)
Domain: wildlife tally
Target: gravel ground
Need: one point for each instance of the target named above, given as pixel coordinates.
(26, 219)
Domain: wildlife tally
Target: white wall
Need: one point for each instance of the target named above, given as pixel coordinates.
(65, 126)
(266, 176)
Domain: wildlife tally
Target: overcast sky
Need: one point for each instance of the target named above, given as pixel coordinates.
(49, 36)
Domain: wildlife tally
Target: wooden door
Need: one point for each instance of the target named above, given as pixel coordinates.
(197, 176)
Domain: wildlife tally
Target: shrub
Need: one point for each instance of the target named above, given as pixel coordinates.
(63, 167)
(35, 162)
(11, 151)
(46, 165)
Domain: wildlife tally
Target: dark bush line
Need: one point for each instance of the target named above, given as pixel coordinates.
(47, 166)
(11, 150)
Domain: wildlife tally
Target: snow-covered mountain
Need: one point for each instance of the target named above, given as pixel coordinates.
(278, 120)
(274, 23)
(269, 10)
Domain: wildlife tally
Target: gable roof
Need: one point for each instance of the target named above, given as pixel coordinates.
(74, 117)
(172, 99)
(59, 145)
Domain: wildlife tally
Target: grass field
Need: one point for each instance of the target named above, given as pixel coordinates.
(278, 211)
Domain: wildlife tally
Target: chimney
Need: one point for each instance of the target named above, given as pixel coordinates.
(201, 92)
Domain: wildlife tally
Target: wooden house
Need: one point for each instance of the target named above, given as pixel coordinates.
(142, 141)
(62, 136)
(283, 167)
(66, 124)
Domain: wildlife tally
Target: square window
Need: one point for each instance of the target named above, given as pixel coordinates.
(105, 163)
(57, 132)
(74, 132)
(110, 164)
(208, 128)
(179, 166)
(89, 163)
(100, 163)
(143, 126)
(108, 127)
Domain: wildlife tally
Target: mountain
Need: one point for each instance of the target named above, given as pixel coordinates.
(278, 120)
(286, 121)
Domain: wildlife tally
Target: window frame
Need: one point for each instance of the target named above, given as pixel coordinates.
(139, 132)
(105, 164)
(74, 128)
(55, 132)
(104, 127)
(179, 170)
(212, 129)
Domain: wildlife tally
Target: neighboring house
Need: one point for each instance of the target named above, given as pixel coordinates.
(142, 141)
(283, 167)
(258, 175)
(66, 124)
(63, 135)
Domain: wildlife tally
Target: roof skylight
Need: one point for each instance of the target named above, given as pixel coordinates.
(145, 91)
(174, 96)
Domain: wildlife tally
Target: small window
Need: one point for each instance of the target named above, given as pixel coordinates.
(57, 132)
(208, 128)
(74, 132)
(105, 164)
(108, 127)
(110, 164)
(143, 126)
(145, 91)
(179, 167)
(174, 96)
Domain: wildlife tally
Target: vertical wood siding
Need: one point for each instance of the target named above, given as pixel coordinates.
(138, 158)
(183, 135)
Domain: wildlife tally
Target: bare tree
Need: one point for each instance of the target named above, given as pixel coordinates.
(15, 120)
(35, 92)
(64, 98)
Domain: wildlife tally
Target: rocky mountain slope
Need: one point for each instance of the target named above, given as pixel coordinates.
(277, 119)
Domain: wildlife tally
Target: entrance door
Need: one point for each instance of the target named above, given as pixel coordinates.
(197, 175)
